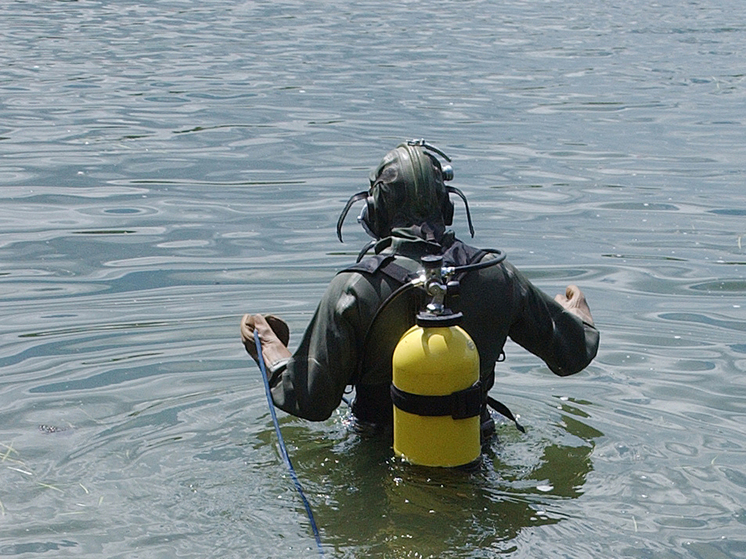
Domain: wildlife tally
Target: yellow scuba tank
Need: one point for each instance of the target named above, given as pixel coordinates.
(435, 388)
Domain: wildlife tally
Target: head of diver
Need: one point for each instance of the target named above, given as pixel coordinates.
(408, 188)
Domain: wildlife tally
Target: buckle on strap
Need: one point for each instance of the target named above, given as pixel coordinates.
(467, 403)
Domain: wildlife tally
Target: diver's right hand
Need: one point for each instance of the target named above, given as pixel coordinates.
(274, 335)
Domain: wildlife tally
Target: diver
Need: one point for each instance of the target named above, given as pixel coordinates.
(364, 312)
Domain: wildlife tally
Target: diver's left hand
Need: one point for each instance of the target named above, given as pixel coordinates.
(574, 301)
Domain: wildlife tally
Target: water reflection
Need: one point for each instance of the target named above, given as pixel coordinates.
(368, 502)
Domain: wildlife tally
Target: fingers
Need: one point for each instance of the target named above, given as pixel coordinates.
(274, 348)
(259, 323)
(265, 325)
(274, 335)
(247, 334)
(573, 292)
(572, 296)
(247, 328)
(574, 301)
(279, 327)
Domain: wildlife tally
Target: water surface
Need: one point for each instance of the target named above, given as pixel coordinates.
(166, 166)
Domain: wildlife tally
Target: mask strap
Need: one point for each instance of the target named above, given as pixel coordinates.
(356, 198)
(454, 190)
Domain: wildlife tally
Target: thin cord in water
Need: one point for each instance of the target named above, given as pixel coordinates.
(283, 448)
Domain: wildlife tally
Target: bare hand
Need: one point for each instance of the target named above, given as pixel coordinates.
(574, 301)
(274, 335)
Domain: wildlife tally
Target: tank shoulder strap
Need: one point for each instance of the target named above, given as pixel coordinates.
(457, 254)
(378, 264)
(382, 263)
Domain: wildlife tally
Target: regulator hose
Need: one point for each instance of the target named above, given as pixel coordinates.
(499, 258)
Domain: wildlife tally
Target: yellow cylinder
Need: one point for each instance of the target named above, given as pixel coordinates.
(435, 361)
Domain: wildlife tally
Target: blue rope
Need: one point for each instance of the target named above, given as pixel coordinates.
(283, 448)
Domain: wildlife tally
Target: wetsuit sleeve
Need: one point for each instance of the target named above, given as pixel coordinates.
(312, 382)
(562, 340)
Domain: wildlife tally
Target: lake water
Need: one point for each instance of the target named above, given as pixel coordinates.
(166, 166)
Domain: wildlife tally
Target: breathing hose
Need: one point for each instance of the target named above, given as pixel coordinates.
(283, 448)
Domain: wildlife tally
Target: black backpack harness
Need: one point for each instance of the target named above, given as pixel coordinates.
(465, 403)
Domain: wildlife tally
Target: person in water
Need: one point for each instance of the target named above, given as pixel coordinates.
(361, 317)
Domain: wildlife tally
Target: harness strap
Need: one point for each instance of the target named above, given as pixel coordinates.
(386, 265)
(462, 404)
(458, 254)
(502, 409)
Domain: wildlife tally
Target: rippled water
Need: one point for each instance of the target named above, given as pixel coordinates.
(166, 166)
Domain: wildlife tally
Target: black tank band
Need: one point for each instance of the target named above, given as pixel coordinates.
(459, 405)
